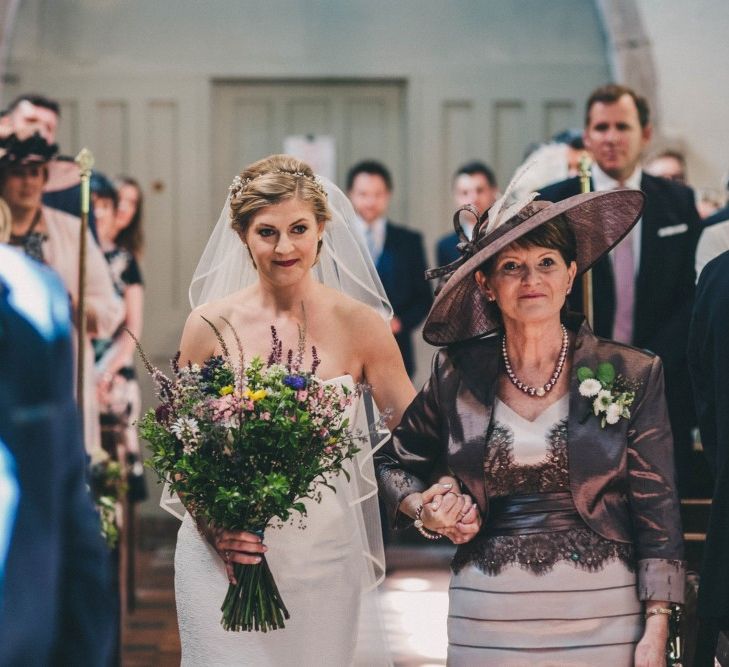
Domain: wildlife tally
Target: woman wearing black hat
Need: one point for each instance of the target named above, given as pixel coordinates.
(562, 440)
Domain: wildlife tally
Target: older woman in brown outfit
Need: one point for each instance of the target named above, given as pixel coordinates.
(562, 440)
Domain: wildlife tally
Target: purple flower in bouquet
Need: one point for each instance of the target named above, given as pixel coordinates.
(162, 413)
(295, 381)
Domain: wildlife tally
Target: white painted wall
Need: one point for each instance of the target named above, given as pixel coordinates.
(690, 42)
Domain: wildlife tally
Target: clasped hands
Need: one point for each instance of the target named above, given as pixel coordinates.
(450, 513)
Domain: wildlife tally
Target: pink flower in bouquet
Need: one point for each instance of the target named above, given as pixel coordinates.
(302, 395)
(266, 416)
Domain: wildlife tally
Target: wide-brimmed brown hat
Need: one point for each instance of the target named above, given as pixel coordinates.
(599, 221)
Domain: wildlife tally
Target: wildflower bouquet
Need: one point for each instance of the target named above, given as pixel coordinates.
(242, 443)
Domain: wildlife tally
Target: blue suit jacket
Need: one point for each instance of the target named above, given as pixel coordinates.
(56, 607)
(447, 251)
(401, 267)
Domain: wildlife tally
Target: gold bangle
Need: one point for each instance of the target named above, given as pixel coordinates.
(418, 523)
(656, 611)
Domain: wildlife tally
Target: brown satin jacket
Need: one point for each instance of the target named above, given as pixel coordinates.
(621, 476)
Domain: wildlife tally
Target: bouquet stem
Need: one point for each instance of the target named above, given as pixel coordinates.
(254, 602)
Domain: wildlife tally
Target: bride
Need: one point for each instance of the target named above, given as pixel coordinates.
(284, 255)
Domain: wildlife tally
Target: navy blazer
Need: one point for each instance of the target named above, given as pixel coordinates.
(447, 249)
(401, 267)
(56, 607)
(621, 477)
(709, 365)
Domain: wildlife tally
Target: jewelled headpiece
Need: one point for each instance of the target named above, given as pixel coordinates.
(239, 184)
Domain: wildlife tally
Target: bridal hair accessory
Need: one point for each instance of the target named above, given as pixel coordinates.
(599, 221)
(239, 184)
(344, 261)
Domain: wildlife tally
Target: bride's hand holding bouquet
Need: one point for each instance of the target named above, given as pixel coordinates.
(242, 443)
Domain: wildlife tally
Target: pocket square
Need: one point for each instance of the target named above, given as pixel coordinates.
(672, 230)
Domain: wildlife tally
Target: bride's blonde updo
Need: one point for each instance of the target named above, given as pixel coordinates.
(271, 181)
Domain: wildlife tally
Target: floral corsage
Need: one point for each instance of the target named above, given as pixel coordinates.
(610, 395)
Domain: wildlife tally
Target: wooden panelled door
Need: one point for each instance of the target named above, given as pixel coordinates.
(366, 120)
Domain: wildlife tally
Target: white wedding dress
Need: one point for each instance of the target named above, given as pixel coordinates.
(327, 574)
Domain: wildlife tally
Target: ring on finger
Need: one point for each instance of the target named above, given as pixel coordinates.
(226, 556)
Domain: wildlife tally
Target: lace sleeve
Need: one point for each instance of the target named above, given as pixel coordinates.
(414, 453)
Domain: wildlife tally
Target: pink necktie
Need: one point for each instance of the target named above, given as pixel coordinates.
(624, 271)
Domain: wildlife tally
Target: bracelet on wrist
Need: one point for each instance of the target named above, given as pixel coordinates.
(418, 523)
(658, 611)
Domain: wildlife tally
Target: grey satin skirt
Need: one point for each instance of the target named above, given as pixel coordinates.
(566, 617)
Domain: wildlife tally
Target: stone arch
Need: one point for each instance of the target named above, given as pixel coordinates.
(630, 52)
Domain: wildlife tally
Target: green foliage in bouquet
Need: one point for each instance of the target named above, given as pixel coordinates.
(107, 489)
(242, 443)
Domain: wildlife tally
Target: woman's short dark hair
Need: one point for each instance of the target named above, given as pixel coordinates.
(555, 234)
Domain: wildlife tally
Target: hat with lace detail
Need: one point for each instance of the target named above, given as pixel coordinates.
(599, 221)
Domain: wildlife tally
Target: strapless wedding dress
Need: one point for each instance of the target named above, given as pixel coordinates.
(327, 573)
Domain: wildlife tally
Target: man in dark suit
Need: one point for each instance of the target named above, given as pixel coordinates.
(396, 251)
(708, 354)
(474, 183)
(56, 607)
(643, 291)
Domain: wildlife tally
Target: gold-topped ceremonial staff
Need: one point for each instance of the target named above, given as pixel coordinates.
(85, 162)
(585, 185)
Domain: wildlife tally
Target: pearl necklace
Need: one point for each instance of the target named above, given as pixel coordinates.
(538, 391)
